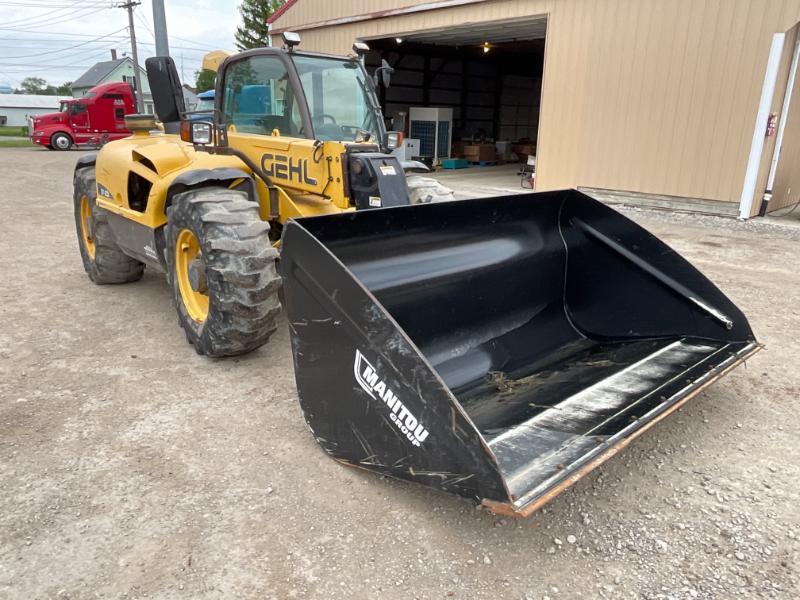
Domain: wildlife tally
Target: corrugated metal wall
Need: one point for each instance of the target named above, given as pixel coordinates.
(640, 95)
(18, 117)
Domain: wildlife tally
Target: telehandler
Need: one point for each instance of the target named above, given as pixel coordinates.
(496, 348)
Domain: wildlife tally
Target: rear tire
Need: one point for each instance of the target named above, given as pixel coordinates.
(61, 141)
(103, 260)
(234, 308)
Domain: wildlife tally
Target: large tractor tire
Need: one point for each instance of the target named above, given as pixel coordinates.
(103, 260)
(222, 270)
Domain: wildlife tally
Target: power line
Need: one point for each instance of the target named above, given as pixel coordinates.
(85, 35)
(62, 3)
(16, 41)
(76, 14)
(49, 15)
(202, 51)
(74, 57)
(64, 49)
(185, 40)
(144, 24)
(56, 66)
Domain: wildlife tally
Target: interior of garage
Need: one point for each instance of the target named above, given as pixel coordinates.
(485, 80)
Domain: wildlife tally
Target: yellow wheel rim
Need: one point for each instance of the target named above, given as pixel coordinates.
(187, 250)
(87, 231)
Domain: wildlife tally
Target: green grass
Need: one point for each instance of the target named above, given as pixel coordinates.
(13, 132)
(16, 144)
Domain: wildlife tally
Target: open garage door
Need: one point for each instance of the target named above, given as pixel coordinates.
(485, 79)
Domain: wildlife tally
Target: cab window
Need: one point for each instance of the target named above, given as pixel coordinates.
(258, 98)
(338, 97)
(77, 109)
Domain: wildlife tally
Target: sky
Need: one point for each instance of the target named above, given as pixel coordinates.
(58, 40)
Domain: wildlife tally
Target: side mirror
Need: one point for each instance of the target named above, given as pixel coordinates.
(165, 86)
(385, 72)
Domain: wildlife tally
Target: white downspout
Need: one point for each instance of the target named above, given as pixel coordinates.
(759, 131)
(787, 100)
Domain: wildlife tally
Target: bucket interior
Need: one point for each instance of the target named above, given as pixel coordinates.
(551, 340)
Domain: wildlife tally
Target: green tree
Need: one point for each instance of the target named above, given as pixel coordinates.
(204, 80)
(37, 85)
(65, 89)
(253, 32)
(33, 85)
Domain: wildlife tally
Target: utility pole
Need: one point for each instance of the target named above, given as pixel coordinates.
(160, 28)
(137, 80)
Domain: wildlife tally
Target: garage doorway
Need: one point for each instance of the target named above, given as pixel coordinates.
(487, 78)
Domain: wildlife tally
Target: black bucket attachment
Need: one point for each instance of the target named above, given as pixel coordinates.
(497, 348)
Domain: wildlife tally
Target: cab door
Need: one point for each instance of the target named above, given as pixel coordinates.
(263, 119)
(79, 120)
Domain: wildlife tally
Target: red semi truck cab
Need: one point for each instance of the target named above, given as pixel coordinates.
(96, 118)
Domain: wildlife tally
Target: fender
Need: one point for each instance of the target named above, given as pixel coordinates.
(86, 160)
(209, 177)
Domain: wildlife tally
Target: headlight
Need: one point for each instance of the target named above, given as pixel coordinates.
(394, 139)
(38, 133)
(201, 133)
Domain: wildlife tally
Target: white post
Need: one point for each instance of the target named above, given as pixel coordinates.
(760, 129)
(787, 100)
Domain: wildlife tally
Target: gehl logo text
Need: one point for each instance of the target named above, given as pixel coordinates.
(287, 168)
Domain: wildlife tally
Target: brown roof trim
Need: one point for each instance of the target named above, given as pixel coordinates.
(380, 14)
(286, 6)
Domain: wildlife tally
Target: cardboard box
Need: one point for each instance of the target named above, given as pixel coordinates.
(523, 151)
(480, 152)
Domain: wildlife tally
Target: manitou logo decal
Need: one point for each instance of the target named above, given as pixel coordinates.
(368, 379)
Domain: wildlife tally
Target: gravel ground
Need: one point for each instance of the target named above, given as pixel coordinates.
(130, 467)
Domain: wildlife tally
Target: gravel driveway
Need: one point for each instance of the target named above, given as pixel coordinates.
(130, 467)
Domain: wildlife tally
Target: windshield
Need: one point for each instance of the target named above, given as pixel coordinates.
(63, 107)
(338, 99)
(206, 104)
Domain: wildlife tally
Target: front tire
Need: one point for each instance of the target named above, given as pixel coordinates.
(61, 141)
(222, 270)
(103, 260)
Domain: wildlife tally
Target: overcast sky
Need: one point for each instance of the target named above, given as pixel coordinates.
(60, 39)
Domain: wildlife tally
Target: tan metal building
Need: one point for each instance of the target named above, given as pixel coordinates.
(686, 99)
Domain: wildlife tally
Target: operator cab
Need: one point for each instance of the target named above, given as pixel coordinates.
(268, 93)
(285, 92)
(303, 95)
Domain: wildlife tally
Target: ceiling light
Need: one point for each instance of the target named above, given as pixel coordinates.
(486, 47)
(398, 40)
